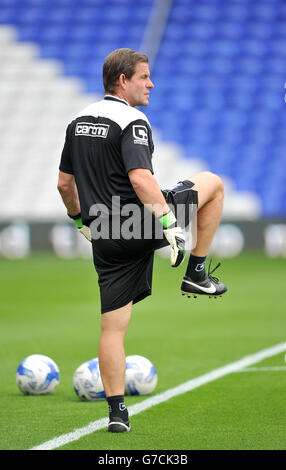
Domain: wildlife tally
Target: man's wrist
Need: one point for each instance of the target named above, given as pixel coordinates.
(77, 219)
(74, 217)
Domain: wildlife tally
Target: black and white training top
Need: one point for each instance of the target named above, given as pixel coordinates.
(103, 143)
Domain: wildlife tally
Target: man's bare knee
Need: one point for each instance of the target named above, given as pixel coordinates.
(209, 186)
(116, 320)
(209, 178)
(218, 184)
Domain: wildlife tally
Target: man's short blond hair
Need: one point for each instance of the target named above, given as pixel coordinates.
(120, 61)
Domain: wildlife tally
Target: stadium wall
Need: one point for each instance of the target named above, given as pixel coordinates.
(18, 239)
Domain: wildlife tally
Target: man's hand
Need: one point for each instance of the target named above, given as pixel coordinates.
(83, 229)
(175, 237)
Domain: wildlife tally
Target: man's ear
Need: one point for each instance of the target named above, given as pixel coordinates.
(122, 80)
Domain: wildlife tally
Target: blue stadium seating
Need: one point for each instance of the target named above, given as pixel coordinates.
(228, 82)
(219, 75)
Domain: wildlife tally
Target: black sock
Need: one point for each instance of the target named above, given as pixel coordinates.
(196, 268)
(117, 408)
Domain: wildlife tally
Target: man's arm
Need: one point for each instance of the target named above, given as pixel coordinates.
(147, 189)
(68, 191)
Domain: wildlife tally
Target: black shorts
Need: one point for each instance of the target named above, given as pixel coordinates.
(125, 267)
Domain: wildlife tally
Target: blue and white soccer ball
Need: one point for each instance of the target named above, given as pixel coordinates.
(87, 381)
(140, 377)
(37, 375)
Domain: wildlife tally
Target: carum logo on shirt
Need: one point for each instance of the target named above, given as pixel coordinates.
(140, 134)
(92, 130)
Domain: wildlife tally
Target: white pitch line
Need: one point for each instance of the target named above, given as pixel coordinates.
(167, 395)
(262, 369)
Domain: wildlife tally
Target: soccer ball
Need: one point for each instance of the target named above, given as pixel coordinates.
(37, 375)
(140, 377)
(87, 381)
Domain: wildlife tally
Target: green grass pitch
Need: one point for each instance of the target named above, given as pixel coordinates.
(51, 306)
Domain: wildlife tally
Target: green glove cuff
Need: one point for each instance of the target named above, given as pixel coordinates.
(168, 219)
(78, 222)
(77, 219)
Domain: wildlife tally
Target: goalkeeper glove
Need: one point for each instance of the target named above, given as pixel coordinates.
(175, 237)
(83, 229)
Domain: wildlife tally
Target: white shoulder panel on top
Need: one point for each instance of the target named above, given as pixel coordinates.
(118, 112)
